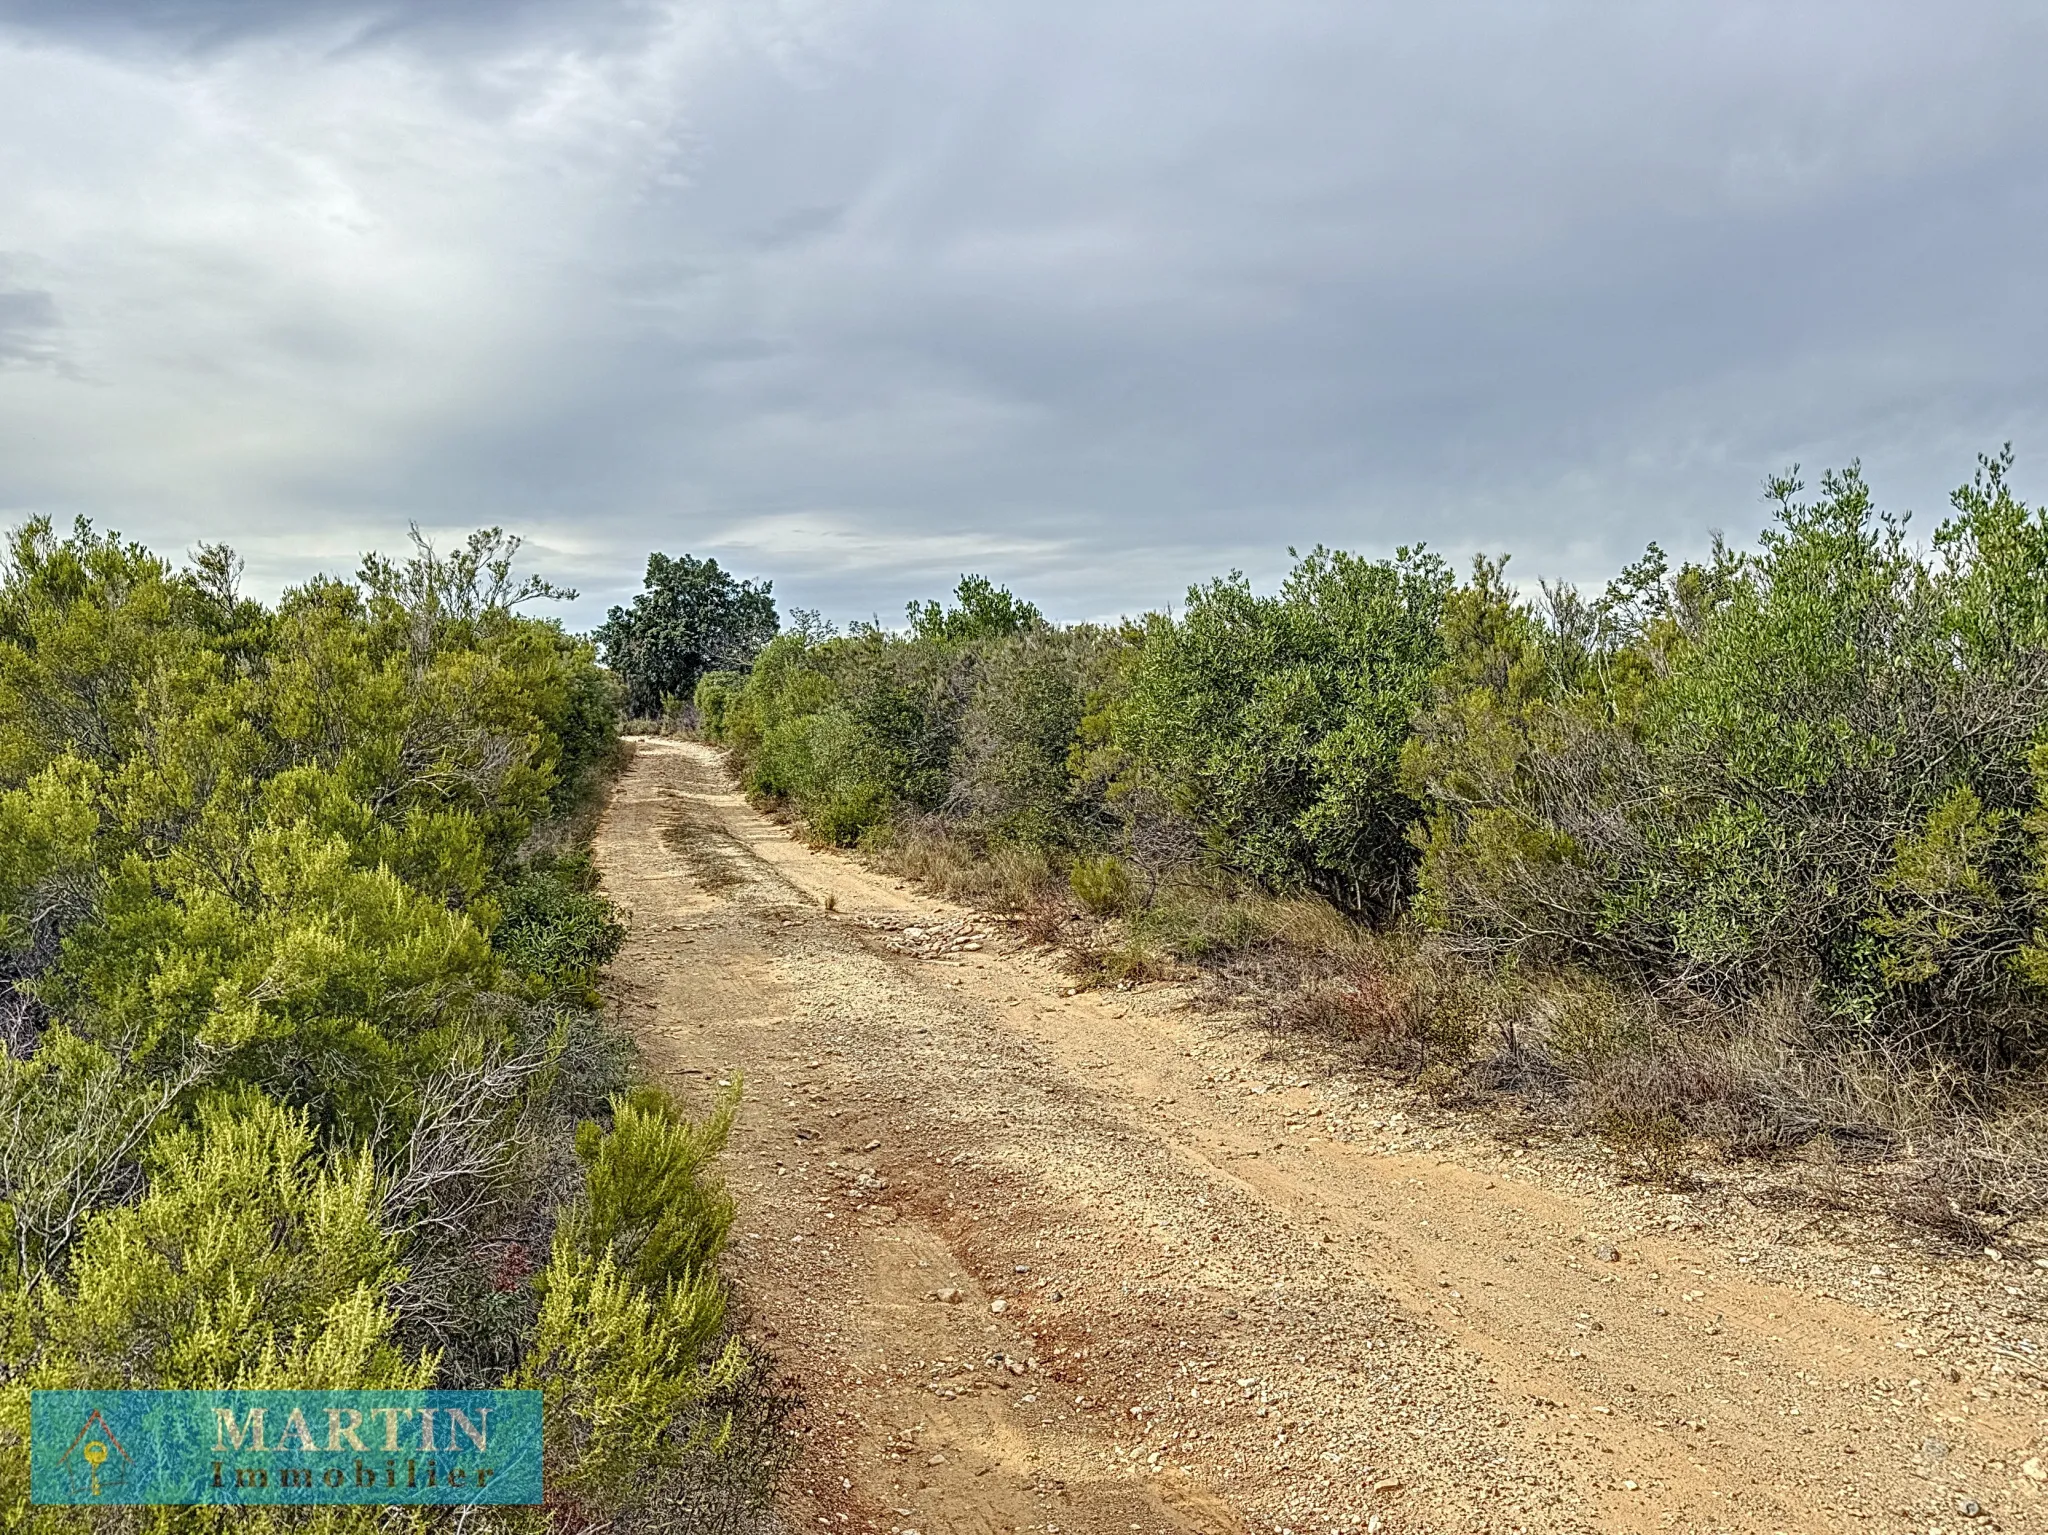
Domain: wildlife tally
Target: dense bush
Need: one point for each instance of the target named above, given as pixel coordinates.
(1267, 731)
(1012, 773)
(856, 729)
(297, 1023)
(1274, 725)
(556, 929)
(1812, 767)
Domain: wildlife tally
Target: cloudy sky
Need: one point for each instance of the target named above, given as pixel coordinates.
(1096, 298)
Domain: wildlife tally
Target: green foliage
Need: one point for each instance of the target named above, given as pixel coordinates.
(651, 1203)
(852, 729)
(1012, 773)
(690, 618)
(716, 694)
(1274, 725)
(981, 611)
(251, 1260)
(85, 623)
(627, 1351)
(1267, 730)
(1814, 768)
(557, 932)
(621, 1369)
(1807, 767)
(294, 1023)
(1103, 885)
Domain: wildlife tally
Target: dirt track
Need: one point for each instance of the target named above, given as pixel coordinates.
(1204, 1287)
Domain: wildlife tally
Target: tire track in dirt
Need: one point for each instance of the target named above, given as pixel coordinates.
(1199, 1293)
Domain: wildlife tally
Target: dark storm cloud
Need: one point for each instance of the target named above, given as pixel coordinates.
(1097, 298)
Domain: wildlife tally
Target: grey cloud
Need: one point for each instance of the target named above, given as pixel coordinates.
(207, 24)
(28, 326)
(798, 226)
(1099, 299)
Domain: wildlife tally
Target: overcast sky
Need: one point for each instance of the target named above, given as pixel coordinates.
(1096, 298)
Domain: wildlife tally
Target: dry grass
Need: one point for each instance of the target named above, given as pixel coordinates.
(1664, 1082)
(1124, 961)
(1667, 1083)
(1046, 921)
(1976, 1179)
(1005, 877)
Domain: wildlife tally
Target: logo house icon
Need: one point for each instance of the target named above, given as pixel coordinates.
(97, 1462)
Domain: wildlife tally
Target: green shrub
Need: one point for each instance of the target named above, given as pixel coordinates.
(1103, 885)
(1805, 768)
(295, 1015)
(630, 1353)
(1274, 725)
(855, 730)
(650, 1200)
(1012, 774)
(716, 693)
(251, 1260)
(556, 933)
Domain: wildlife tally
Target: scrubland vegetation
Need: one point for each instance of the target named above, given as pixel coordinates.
(1745, 856)
(304, 1080)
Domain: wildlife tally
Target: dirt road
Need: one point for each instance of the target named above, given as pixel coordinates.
(1106, 1263)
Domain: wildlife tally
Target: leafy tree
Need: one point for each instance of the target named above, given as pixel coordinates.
(690, 618)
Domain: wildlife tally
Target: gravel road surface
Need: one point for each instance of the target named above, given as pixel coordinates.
(1107, 1262)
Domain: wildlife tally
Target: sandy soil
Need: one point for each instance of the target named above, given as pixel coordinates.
(1104, 1262)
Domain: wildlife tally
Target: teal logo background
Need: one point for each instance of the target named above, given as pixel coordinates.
(245, 1447)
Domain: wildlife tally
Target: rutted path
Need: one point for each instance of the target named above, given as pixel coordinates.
(1096, 1263)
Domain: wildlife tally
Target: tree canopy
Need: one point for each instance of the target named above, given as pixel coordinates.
(691, 617)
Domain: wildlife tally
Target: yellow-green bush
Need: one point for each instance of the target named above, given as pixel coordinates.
(297, 1022)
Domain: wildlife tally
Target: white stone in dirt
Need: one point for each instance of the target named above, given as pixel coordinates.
(998, 1306)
